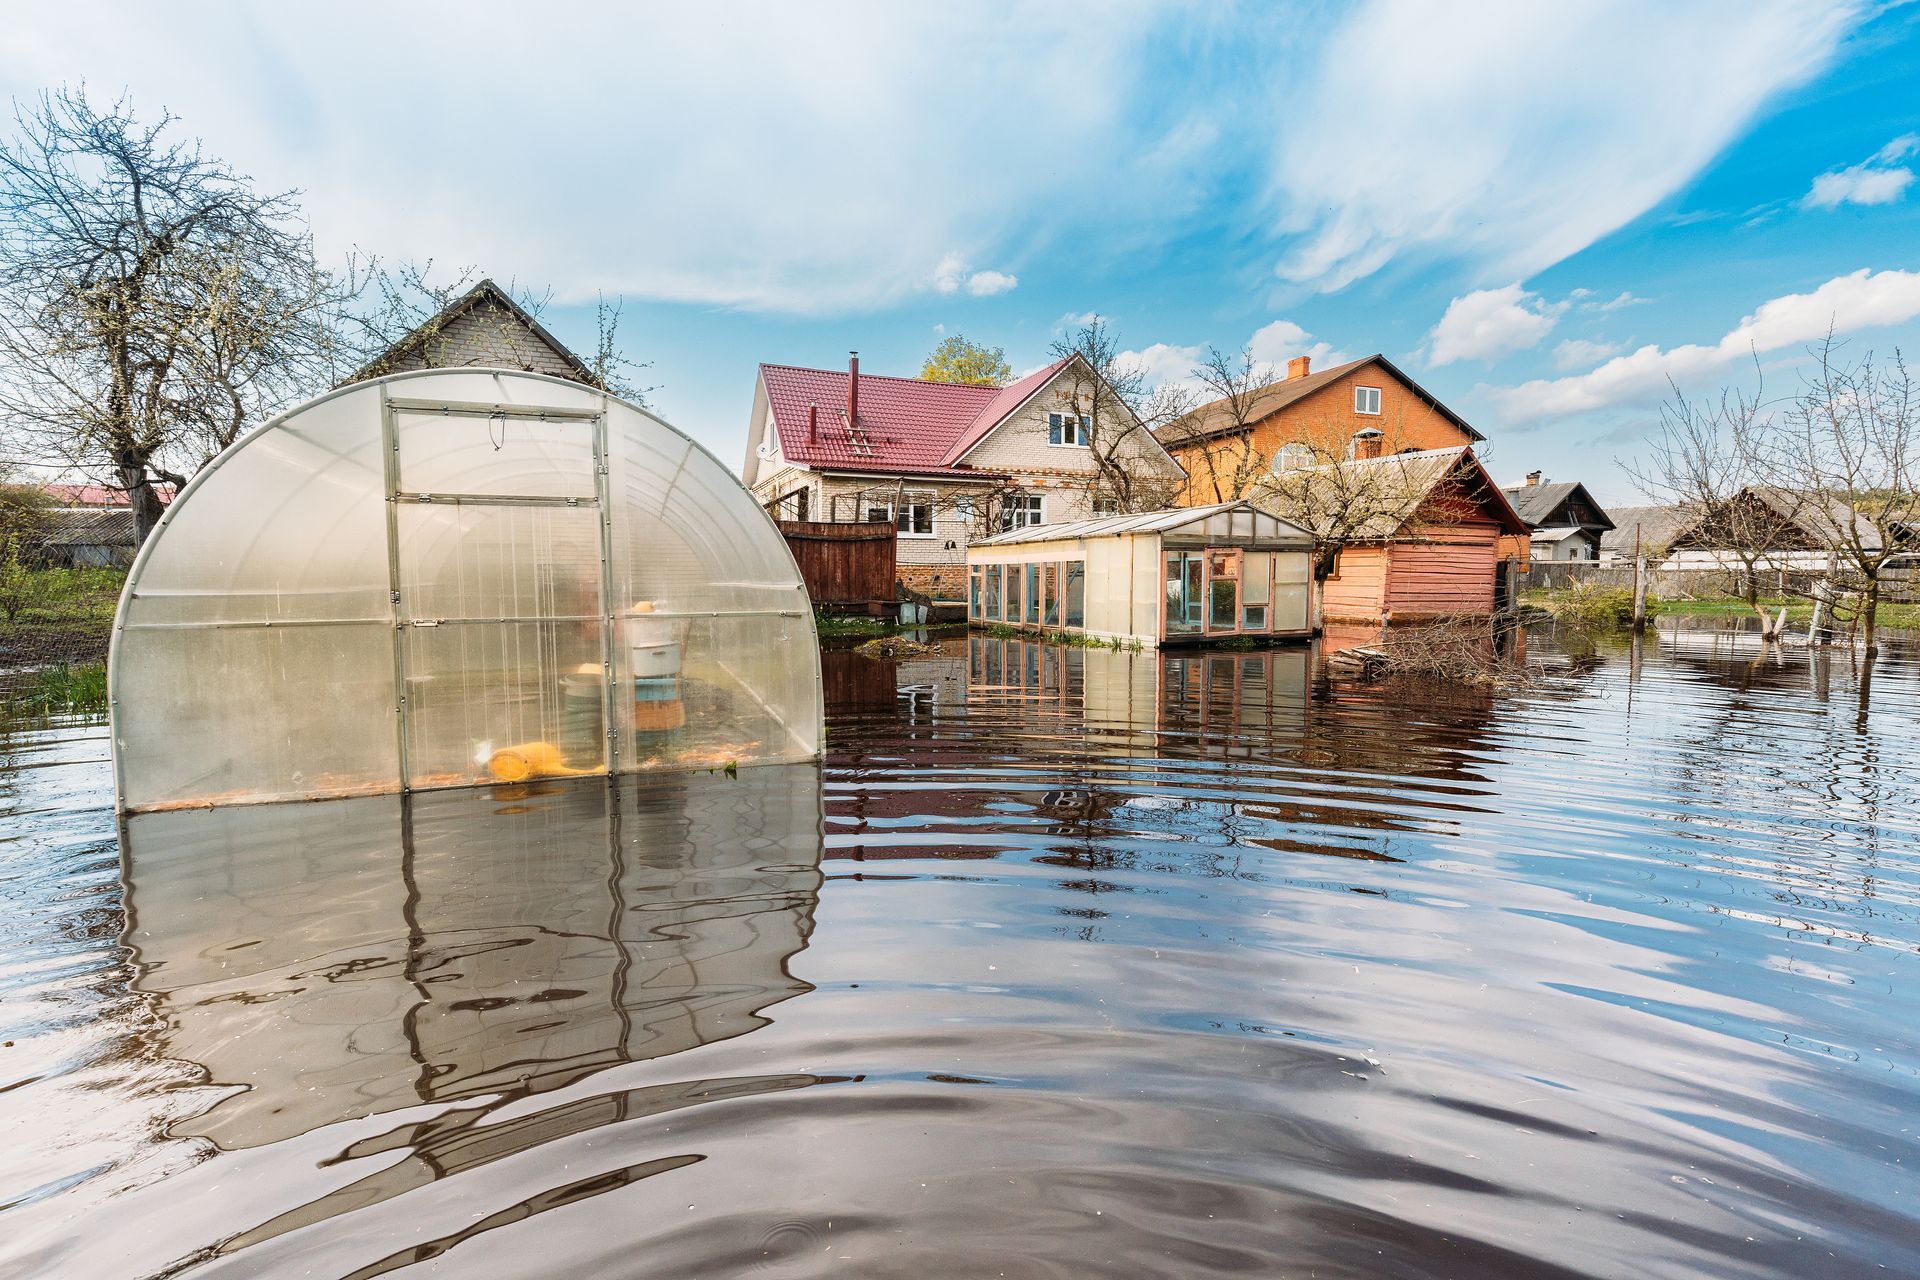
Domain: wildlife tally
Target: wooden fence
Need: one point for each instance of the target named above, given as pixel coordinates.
(1902, 582)
(845, 566)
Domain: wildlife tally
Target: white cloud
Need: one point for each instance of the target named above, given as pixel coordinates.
(1512, 134)
(797, 158)
(1617, 302)
(1875, 180)
(985, 284)
(1490, 323)
(1282, 340)
(1865, 299)
(1272, 344)
(1163, 363)
(950, 275)
(1574, 352)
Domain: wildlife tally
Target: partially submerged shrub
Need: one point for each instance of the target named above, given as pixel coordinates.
(1599, 608)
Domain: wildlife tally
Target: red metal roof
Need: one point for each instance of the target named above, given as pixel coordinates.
(907, 425)
(1011, 397)
(98, 495)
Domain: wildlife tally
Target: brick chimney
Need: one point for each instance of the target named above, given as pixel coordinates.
(853, 388)
(1298, 367)
(1367, 443)
(1533, 478)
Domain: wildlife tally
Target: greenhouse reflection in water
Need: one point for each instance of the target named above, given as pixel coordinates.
(461, 943)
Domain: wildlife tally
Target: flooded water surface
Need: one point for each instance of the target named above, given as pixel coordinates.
(1065, 963)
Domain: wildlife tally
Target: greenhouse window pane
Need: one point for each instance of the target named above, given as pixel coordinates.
(501, 456)
(213, 714)
(465, 561)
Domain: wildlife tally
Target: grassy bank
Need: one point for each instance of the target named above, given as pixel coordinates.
(1560, 602)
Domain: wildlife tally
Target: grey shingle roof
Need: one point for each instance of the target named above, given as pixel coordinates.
(1538, 504)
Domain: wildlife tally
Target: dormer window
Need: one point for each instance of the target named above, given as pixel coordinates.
(1367, 400)
(1068, 429)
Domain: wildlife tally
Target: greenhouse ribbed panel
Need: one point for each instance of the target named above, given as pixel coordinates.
(452, 578)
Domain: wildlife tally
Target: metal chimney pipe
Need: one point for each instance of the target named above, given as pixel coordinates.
(813, 422)
(853, 389)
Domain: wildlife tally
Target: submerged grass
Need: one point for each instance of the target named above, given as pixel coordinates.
(61, 689)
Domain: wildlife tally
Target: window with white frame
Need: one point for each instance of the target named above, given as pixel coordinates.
(1068, 428)
(1292, 457)
(1105, 504)
(1021, 510)
(877, 510)
(963, 508)
(1367, 400)
(915, 516)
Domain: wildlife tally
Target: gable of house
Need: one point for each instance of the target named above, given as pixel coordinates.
(1563, 504)
(1323, 411)
(1021, 439)
(821, 420)
(483, 328)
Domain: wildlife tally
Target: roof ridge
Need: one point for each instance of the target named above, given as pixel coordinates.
(889, 377)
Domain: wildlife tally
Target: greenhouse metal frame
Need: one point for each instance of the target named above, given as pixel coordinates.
(456, 577)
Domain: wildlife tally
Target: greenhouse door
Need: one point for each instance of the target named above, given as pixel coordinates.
(1223, 590)
(499, 566)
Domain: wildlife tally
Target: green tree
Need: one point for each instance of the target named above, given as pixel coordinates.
(957, 360)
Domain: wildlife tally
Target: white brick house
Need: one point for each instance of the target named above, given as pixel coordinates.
(943, 462)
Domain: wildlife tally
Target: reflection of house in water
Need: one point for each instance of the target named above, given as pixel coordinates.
(1100, 750)
(361, 955)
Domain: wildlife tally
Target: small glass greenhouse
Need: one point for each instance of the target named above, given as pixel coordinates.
(455, 577)
(1190, 574)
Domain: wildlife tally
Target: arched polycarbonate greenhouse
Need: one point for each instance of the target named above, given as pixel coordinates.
(456, 577)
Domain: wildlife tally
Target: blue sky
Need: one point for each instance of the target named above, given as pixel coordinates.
(1541, 212)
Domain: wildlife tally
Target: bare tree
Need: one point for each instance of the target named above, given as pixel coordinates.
(152, 302)
(1851, 445)
(1216, 441)
(1343, 501)
(1709, 460)
(1117, 412)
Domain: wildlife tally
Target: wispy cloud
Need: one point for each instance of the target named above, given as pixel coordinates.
(1575, 352)
(791, 158)
(1845, 304)
(1513, 134)
(1490, 323)
(1272, 344)
(1879, 179)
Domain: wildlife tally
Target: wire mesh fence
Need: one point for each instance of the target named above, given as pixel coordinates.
(54, 627)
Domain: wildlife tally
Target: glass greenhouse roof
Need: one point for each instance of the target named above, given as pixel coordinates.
(455, 577)
(1238, 521)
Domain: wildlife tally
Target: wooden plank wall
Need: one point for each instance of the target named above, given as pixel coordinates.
(1450, 571)
(1359, 585)
(843, 564)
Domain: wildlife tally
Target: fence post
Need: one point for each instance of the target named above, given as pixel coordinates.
(1639, 583)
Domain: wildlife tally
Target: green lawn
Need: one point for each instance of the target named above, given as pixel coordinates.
(1798, 609)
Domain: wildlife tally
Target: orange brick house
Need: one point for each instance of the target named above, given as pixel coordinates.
(1318, 416)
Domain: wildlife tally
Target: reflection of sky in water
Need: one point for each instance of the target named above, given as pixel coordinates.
(1114, 964)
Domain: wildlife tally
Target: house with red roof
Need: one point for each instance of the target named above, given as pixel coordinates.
(945, 462)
